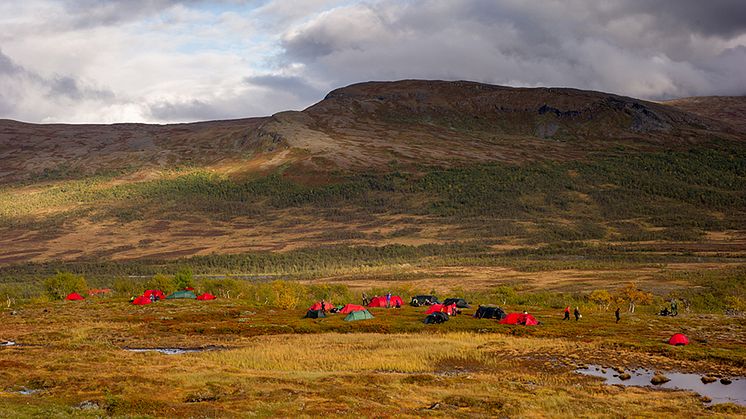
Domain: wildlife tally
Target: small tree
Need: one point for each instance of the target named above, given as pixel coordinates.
(184, 278)
(287, 295)
(63, 283)
(603, 298)
(634, 296)
(162, 282)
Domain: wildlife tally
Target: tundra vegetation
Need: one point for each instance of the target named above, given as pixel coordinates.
(599, 216)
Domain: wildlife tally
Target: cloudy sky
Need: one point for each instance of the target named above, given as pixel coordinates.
(169, 61)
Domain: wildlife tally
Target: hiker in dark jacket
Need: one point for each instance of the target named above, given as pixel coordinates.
(617, 315)
(577, 314)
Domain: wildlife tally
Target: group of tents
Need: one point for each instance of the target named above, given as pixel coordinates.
(436, 313)
(149, 296)
(439, 313)
(353, 312)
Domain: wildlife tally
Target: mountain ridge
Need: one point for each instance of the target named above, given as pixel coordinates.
(368, 125)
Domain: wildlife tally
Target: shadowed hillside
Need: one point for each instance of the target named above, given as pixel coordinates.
(407, 163)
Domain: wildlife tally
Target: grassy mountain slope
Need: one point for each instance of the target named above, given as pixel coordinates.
(410, 162)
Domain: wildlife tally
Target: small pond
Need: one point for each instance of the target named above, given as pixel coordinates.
(718, 392)
(171, 351)
(24, 391)
(8, 343)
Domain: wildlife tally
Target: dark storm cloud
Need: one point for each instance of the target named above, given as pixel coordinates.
(171, 60)
(192, 110)
(653, 49)
(724, 18)
(92, 13)
(68, 87)
(293, 85)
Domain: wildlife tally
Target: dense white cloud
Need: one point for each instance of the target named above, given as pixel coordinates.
(166, 60)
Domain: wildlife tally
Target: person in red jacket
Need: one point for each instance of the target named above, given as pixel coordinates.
(567, 313)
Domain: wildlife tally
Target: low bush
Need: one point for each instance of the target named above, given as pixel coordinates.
(63, 283)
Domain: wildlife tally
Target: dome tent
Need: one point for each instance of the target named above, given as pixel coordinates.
(520, 318)
(490, 312)
(358, 315)
(460, 302)
(381, 301)
(141, 301)
(423, 300)
(314, 314)
(349, 308)
(179, 295)
(317, 306)
(678, 339)
(436, 318)
(448, 309)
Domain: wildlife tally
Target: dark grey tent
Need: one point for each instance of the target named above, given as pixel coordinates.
(423, 300)
(436, 318)
(315, 314)
(490, 312)
(460, 302)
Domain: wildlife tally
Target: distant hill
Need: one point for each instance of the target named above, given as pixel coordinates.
(409, 162)
(728, 109)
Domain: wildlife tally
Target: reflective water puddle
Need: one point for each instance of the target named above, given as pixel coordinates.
(170, 351)
(735, 392)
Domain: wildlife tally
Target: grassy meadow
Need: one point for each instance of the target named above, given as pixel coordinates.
(263, 358)
(620, 227)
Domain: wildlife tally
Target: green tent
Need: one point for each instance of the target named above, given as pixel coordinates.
(358, 315)
(181, 295)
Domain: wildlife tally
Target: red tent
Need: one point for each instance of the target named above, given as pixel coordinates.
(189, 289)
(678, 339)
(156, 293)
(317, 306)
(206, 296)
(349, 308)
(448, 309)
(381, 301)
(141, 300)
(74, 296)
(519, 318)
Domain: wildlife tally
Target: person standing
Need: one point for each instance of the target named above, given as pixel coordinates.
(577, 313)
(617, 315)
(567, 313)
(365, 299)
(388, 300)
(323, 306)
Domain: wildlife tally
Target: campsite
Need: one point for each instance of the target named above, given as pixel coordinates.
(204, 359)
(373, 209)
